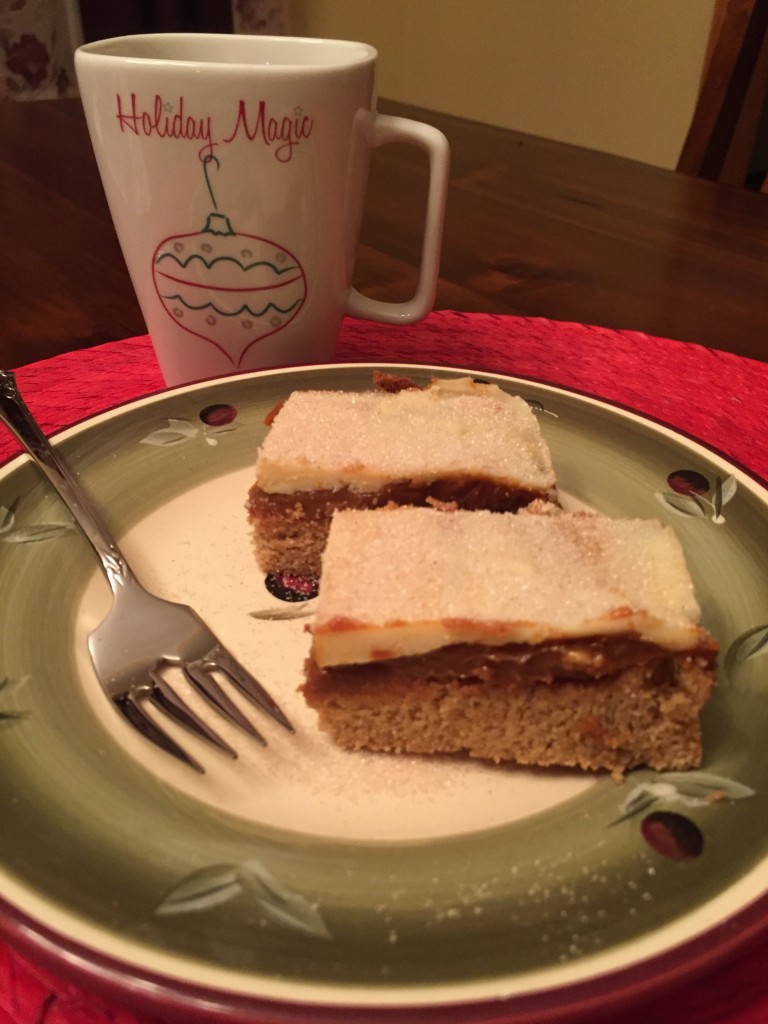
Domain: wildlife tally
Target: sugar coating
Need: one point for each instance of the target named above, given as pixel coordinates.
(330, 439)
(405, 581)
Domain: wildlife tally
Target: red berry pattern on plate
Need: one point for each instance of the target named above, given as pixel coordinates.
(688, 481)
(218, 415)
(672, 835)
(692, 494)
(291, 587)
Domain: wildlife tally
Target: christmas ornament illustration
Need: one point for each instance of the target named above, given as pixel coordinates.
(231, 289)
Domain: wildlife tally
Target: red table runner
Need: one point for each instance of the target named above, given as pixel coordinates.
(717, 397)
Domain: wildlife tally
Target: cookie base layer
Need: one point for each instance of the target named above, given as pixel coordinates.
(643, 714)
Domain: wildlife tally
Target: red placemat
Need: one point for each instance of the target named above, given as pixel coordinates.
(720, 398)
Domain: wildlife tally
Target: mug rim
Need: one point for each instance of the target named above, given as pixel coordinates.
(109, 48)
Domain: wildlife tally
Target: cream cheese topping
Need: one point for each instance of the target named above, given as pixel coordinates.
(406, 581)
(329, 439)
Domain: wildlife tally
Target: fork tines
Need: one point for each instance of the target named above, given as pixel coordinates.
(200, 675)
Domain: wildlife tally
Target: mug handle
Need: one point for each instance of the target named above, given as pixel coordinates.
(387, 128)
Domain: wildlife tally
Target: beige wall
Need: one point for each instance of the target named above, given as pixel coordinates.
(614, 75)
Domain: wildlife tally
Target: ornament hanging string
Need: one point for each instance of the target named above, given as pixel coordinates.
(217, 223)
(209, 158)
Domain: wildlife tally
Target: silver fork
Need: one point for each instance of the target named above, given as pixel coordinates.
(142, 634)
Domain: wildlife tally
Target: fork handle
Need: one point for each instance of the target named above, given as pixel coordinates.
(20, 421)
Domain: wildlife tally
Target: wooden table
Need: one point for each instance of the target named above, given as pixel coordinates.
(533, 228)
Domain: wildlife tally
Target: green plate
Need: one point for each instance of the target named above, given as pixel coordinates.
(314, 883)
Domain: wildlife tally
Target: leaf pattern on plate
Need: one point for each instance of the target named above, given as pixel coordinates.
(683, 504)
(724, 491)
(36, 532)
(281, 904)
(177, 432)
(7, 687)
(202, 890)
(217, 884)
(11, 533)
(692, 789)
(8, 516)
(687, 495)
(748, 645)
(216, 419)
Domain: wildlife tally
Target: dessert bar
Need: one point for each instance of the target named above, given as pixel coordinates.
(555, 638)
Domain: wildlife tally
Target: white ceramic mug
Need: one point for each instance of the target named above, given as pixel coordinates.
(235, 168)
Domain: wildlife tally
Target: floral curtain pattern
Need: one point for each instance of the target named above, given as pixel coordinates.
(262, 17)
(37, 40)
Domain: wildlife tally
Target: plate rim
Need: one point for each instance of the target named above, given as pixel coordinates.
(641, 981)
(608, 989)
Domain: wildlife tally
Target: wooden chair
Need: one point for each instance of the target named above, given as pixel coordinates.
(729, 111)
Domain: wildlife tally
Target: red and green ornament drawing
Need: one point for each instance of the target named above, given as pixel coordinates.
(230, 288)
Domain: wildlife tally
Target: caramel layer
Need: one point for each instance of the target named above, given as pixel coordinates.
(465, 492)
(471, 664)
